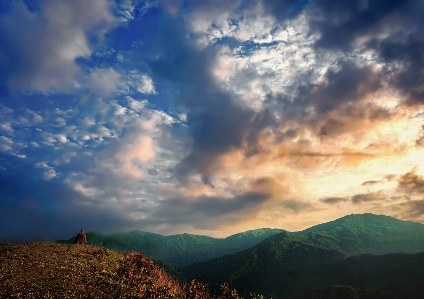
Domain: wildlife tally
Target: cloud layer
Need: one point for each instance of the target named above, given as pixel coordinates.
(208, 117)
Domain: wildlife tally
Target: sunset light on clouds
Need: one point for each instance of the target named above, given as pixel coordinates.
(208, 117)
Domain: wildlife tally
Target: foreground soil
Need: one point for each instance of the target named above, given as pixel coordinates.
(50, 270)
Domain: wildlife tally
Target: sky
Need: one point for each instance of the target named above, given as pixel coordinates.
(208, 117)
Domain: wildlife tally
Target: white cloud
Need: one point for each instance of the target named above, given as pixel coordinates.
(5, 110)
(11, 146)
(49, 140)
(146, 151)
(210, 20)
(120, 110)
(126, 10)
(49, 171)
(40, 48)
(254, 71)
(80, 187)
(140, 82)
(6, 144)
(36, 118)
(6, 127)
(146, 85)
(182, 117)
(136, 105)
(255, 28)
(104, 132)
(103, 82)
(172, 6)
(63, 112)
(60, 121)
(62, 138)
(89, 121)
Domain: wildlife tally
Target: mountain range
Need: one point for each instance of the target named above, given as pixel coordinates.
(287, 264)
(178, 250)
(356, 256)
(367, 233)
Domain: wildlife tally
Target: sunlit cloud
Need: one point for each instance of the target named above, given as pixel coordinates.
(209, 117)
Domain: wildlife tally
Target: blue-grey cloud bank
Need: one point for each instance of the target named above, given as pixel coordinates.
(209, 117)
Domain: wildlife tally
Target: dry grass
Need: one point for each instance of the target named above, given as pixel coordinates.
(50, 270)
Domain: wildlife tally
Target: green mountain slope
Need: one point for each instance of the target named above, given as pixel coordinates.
(276, 265)
(395, 275)
(258, 268)
(368, 233)
(178, 250)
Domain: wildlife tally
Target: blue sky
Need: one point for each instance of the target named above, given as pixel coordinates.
(208, 117)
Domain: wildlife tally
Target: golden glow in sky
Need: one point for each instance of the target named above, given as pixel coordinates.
(208, 117)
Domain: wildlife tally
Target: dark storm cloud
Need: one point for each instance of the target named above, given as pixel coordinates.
(350, 118)
(284, 9)
(370, 183)
(406, 48)
(411, 182)
(280, 9)
(386, 178)
(349, 84)
(420, 140)
(368, 197)
(389, 177)
(219, 121)
(294, 205)
(342, 88)
(205, 209)
(278, 191)
(342, 23)
(319, 154)
(333, 200)
(214, 7)
(414, 208)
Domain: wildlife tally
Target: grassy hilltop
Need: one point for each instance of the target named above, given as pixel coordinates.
(49, 270)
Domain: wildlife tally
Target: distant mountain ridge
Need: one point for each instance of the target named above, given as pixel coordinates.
(368, 233)
(179, 250)
(268, 268)
(256, 268)
(351, 235)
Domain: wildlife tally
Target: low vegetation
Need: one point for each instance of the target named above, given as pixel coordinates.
(49, 270)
